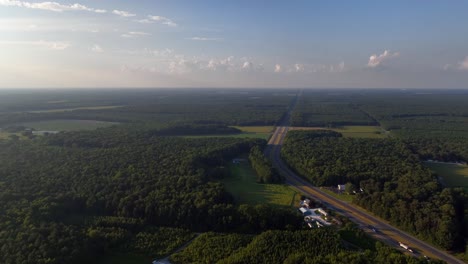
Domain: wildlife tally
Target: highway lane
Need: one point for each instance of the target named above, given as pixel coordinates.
(387, 233)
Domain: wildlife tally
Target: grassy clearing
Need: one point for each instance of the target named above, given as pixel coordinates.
(243, 186)
(77, 108)
(263, 132)
(361, 131)
(67, 125)
(122, 258)
(343, 197)
(241, 135)
(454, 175)
(256, 129)
(353, 131)
(6, 135)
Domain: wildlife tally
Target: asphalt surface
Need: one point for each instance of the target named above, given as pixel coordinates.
(385, 232)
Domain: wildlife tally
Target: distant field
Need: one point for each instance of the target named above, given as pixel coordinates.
(77, 108)
(353, 131)
(243, 186)
(263, 132)
(67, 125)
(454, 175)
(6, 135)
(256, 129)
(361, 131)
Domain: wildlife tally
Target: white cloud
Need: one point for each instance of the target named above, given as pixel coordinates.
(133, 34)
(463, 65)
(460, 66)
(50, 6)
(96, 48)
(51, 45)
(247, 65)
(206, 39)
(122, 13)
(159, 19)
(299, 67)
(278, 68)
(375, 61)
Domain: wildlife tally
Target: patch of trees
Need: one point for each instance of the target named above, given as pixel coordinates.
(265, 171)
(212, 247)
(396, 186)
(311, 246)
(53, 185)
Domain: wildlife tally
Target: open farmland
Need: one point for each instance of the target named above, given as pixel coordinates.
(263, 132)
(77, 108)
(453, 175)
(67, 125)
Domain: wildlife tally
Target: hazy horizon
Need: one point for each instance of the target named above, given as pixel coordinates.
(241, 44)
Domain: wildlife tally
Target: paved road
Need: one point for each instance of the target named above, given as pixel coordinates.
(386, 233)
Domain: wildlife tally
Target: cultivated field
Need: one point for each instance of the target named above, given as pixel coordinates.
(353, 131)
(453, 175)
(243, 186)
(67, 125)
(263, 132)
(77, 108)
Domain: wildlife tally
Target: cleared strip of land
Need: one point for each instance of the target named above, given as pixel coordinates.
(104, 107)
(241, 183)
(453, 175)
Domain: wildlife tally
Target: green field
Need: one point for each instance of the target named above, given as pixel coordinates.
(343, 197)
(256, 129)
(361, 131)
(263, 132)
(453, 175)
(67, 125)
(243, 186)
(77, 108)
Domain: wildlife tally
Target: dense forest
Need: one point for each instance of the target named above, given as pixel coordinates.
(308, 246)
(51, 187)
(395, 185)
(139, 187)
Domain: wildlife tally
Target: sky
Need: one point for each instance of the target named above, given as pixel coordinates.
(242, 43)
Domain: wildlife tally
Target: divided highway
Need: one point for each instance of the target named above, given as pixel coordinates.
(386, 233)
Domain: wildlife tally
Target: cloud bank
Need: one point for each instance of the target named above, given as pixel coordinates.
(375, 61)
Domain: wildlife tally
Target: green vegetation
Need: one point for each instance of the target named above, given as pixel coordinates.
(137, 191)
(122, 258)
(308, 246)
(342, 196)
(67, 125)
(76, 108)
(396, 186)
(211, 248)
(261, 132)
(242, 184)
(263, 167)
(361, 131)
(454, 175)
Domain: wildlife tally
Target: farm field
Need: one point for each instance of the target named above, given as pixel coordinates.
(454, 175)
(352, 131)
(263, 132)
(77, 108)
(67, 125)
(361, 131)
(243, 186)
